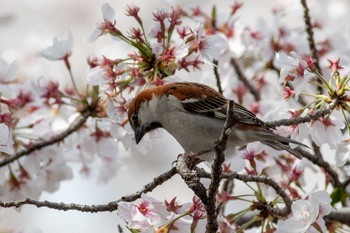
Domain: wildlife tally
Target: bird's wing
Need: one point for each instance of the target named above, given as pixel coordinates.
(216, 106)
(210, 104)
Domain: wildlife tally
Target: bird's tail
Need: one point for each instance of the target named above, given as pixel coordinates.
(278, 142)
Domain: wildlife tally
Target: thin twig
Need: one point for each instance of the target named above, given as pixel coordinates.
(308, 118)
(150, 186)
(244, 79)
(311, 40)
(85, 114)
(260, 179)
(217, 76)
(216, 169)
(112, 206)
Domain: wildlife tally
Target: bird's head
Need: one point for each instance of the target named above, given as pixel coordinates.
(143, 113)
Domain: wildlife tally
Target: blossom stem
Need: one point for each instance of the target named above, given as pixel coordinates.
(66, 62)
(247, 224)
(320, 77)
(346, 120)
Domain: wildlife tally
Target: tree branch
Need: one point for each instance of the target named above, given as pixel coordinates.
(150, 186)
(112, 206)
(311, 40)
(190, 177)
(216, 169)
(318, 160)
(310, 35)
(244, 79)
(308, 118)
(260, 179)
(85, 114)
(342, 216)
(217, 76)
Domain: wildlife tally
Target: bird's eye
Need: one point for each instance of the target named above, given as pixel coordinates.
(134, 118)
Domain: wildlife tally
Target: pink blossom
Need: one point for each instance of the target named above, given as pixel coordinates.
(108, 14)
(294, 69)
(209, 47)
(59, 50)
(148, 213)
(307, 212)
(327, 131)
(334, 65)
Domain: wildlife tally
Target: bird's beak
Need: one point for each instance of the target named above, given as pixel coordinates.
(139, 133)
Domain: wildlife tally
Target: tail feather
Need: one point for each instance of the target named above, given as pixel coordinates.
(281, 143)
(280, 146)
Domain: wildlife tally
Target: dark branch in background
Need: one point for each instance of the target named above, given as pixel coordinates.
(346, 183)
(244, 79)
(85, 114)
(217, 76)
(339, 216)
(308, 118)
(216, 169)
(318, 160)
(311, 40)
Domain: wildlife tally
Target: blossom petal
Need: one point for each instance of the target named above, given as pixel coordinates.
(108, 12)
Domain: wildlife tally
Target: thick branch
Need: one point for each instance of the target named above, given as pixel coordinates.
(191, 178)
(244, 79)
(55, 139)
(216, 169)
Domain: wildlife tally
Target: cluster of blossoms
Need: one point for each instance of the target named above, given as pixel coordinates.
(164, 49)
(150, 213)
(35, 111)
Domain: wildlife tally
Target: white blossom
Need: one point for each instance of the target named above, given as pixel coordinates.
(59, 50)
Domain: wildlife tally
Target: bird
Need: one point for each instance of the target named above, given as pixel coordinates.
(194, 114)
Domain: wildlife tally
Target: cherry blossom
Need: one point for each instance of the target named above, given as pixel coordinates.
(6, 142)
(108, 14)
(307, 212)
(295, 69)
(59, 50)
(327, 130)
(210, 47)
(342, 153)
(148, 213)
(8, 72)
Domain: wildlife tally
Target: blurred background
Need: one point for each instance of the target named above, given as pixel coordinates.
(26, 27)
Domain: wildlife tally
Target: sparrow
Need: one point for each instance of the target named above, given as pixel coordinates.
(194, 114)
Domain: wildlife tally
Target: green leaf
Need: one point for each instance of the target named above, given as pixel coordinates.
(338, 195)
